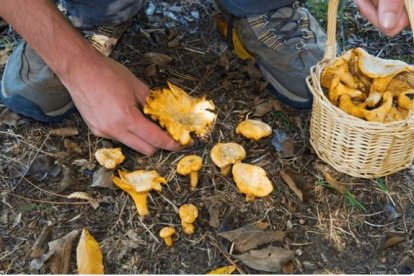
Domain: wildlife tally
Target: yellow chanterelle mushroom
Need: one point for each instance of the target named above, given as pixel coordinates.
(109, 158)
(138, 184)
(251, 180)
(190, 165)
(180, 113)
(254, 129)
(166, 233)
(188, 214)
(224, 155)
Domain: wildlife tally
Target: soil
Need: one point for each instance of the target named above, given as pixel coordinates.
(328, 232)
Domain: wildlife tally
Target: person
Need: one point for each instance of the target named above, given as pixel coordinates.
(55, 69)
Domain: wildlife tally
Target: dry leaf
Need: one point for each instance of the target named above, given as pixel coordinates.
(261, 225)
(262, 109)
(42, 167)
(102, 178)
(282, 143)
(37, 263)
(64, 132)
(71, 146)
(40, 246)
(393, 239)
(291, 184)
(213, 204)
(249, 237)
(334, 183)
(269, 259)
(9, 118)
(288, 267)
(225, 270)
(68, 179)
(82, 195)
(61, 249)
(89, 255)
(4, 55)
(155, 58)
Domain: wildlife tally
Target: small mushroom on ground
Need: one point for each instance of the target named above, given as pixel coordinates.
(109, 158)
(138, 184)
(224, 155)
(190, 165)
(254, 129)
(180, 113)
(251, 180)
(188, 214)
(166, 233)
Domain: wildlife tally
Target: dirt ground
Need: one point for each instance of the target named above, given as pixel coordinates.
(370, 229)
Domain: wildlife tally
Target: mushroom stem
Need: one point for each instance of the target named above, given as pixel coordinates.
(168, 241)
(188, 228)
(194, 180)
(226, 170)
(141, 204)
(250, 197)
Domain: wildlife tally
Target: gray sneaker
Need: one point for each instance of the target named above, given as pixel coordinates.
(286, 43)
(30, 88)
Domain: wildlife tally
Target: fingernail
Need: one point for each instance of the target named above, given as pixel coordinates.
(389, 19)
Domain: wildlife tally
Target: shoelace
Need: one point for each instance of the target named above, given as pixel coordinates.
(276, 37)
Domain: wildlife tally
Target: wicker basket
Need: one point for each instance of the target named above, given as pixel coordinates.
(349, 144)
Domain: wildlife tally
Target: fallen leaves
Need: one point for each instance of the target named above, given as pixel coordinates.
(270, 259)
(102, 178)
(88, 252)
(42, 167)
(298, 184)
(250, 236)
(225, 270)
(9, 118)
(82, 195)
(89, 255)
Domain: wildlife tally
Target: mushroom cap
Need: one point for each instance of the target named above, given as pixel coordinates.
(180, 113)
(254, 129)
(109, 158)
(167, 232)
(224, 154)
(251, 180)
(143, 181)
(188, 213)
(188, 164)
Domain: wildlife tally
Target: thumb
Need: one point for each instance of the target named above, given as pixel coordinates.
(389, 14)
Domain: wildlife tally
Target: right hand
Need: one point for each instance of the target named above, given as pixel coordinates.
(389, 16)
(108, 97)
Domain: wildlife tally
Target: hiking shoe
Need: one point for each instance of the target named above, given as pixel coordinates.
(30, 88)
(285, 43)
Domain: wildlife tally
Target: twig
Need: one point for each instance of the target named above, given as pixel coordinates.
(148, 230)
(45, 191)
(49, 202)
(213, 242)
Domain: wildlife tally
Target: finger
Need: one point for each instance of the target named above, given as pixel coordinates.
(390, 15)
(367, 9)
(153, 134)
(138, 144)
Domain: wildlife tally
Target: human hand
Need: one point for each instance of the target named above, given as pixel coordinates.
(108, 95)
(389, 16)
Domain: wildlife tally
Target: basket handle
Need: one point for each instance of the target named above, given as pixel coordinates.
(330, 46)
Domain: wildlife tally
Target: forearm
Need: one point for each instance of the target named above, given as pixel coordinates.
(41, 24)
